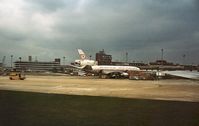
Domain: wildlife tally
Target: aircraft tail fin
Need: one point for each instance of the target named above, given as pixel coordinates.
(81, 54)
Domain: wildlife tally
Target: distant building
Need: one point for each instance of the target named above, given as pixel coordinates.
(164, 65)
(1, 64)
(58, 60)
(138, 64)
(120, 63)
(161, 62)
(30, 58)
(37, 66)
(103, 59)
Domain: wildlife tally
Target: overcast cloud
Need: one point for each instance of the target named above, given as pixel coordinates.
(55, 28)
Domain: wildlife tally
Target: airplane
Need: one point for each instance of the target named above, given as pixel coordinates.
(105, 71)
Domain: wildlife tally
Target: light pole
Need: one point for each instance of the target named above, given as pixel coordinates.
(20, 59)
(183, 56)
(20, 63)
(64, 60)
(162, 50)
(126, 57)
(11, 61)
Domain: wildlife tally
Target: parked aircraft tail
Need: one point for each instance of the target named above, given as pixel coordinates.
(81, 54)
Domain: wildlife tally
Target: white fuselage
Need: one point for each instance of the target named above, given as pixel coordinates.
(114, 68)
(86, 62)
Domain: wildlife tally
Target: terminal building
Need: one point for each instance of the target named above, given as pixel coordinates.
(37, 66)
(161, 62)
(103, 59)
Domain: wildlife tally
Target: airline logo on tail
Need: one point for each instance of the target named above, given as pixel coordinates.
(82, 54)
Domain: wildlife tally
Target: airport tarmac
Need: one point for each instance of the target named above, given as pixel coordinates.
(174, 90)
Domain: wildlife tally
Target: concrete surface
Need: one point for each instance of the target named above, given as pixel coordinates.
(175, 90)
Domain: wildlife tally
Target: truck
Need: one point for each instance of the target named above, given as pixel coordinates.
(17, 76)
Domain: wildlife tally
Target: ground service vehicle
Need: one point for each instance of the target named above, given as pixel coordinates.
(17, 76)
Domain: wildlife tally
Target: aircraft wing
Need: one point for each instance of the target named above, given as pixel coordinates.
(184, 74)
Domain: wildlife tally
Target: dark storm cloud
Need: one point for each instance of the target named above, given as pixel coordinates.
(51, 28)
(47, 5)
(196, 3)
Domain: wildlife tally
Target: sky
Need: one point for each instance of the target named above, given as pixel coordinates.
(48, 29)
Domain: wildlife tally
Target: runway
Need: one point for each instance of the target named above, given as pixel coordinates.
(172, 90)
